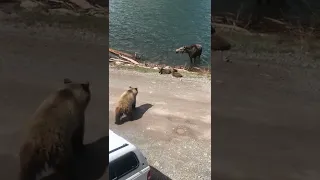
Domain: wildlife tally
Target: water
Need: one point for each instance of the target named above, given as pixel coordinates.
(156, 28)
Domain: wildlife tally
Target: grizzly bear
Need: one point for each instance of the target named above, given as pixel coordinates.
(126, 104)
(55, 132)
(166, 70)
(176, 74)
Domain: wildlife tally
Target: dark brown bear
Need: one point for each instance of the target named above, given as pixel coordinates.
(176, 74)
(55, 132)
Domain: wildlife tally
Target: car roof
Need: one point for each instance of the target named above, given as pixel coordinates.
(118, 146)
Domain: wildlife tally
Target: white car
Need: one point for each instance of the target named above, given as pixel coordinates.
(126, 161)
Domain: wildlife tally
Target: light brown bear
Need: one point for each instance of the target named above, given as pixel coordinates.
(126, 104)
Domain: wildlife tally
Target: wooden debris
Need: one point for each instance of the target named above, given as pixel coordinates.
(116, 52)
(129, 59)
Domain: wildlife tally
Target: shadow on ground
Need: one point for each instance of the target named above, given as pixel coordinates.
(157, 175)
(139, 112)
(92, 164)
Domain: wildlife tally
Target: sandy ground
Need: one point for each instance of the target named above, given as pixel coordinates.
(265, 121)
(34, 62)
(172, 124)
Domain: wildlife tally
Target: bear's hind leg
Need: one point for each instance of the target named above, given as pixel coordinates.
(31, 163)
(77, 139)
(63, 166)
(134, 105)
(118, 116)
(130, 116)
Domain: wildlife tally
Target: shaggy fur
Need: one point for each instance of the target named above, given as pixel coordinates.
(56, 131)
(166, 71)
(126, 104)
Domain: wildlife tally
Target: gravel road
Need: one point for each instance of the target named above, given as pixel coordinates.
(173, 122)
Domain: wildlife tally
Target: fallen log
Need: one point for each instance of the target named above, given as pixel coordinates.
(129, 59)
(116, 52)
(118, 60)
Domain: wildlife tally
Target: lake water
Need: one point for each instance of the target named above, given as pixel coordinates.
(156, 28)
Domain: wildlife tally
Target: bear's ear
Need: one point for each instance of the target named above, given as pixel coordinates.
(136, 89)
(86, 86)
(67, 81)
(130, 87)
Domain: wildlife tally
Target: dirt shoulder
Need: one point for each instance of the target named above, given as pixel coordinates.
(265, 118)
(173, 121)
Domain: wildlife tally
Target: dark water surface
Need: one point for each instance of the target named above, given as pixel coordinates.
(156, 28)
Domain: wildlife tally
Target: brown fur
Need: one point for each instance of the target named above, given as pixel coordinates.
(126, 104)
(56, 131)
(167, 71)
(177, 74)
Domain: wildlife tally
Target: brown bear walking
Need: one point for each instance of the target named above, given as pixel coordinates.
(55, 132)
(126, 104)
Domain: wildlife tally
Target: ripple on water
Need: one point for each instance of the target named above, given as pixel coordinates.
(156, 28)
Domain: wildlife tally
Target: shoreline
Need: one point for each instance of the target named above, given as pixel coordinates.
(120, 58)
(149, 70)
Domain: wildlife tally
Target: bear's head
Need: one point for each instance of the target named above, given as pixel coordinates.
(134, 90)
(81, 91)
